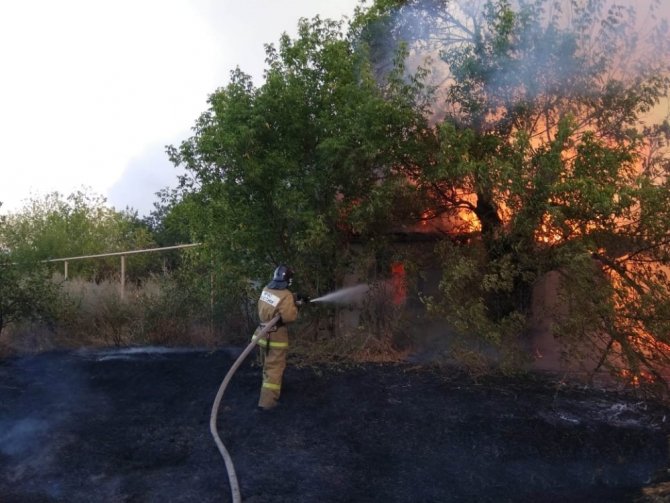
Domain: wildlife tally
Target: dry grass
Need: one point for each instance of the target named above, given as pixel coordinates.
(159, 313)
(363, 333)
(96, 314)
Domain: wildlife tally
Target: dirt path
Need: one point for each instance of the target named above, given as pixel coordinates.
(133, 427)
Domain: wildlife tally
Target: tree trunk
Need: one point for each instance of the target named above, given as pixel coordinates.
(499, 244)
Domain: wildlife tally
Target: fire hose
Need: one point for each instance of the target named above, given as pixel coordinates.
(230, 468)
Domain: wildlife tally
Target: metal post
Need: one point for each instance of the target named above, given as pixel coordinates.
(211, 302)
(121, 254)
(123, 276)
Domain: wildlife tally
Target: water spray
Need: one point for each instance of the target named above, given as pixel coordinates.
(348, 295)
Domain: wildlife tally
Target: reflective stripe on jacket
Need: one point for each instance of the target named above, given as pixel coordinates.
(273, 344)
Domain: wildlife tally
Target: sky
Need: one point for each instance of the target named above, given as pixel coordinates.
(93, 90)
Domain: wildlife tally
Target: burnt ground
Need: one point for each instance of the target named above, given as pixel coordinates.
(125, 426)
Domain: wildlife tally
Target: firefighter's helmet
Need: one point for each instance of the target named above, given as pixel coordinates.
(282, 277)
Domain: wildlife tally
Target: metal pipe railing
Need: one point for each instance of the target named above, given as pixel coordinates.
(123, 254)
(117, 254)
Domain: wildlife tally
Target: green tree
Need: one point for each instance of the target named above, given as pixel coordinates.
(546, 140)
(26, 292)
(309, 162)
(55, 226)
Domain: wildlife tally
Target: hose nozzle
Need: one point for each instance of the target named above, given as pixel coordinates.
(301, 299)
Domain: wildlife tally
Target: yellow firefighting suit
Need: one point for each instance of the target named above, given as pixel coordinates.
(274, 348)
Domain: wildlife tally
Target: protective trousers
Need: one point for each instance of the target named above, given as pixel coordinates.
(274, 350)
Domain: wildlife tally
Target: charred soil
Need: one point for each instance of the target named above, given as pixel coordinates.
(133, 426)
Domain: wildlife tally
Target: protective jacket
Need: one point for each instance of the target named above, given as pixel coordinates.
(274, 348)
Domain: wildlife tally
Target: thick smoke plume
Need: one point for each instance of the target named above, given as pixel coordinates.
(629, 37)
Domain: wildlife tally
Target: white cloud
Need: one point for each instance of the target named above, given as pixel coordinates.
(87, 85)
(92, 88)
(144, 175)
(244, 27)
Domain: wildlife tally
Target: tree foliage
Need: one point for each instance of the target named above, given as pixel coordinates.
(26, 293)
(309, 162)
(56, 226)
(546, 139)
(532, 119)
(25, 290)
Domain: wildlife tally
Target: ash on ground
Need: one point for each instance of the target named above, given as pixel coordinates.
(133, 426)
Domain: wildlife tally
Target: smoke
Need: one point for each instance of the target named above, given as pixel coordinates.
(32, 445)
(24, 436)
(31, 427)
(554, 49)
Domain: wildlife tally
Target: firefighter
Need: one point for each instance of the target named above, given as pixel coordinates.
(275, 299)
